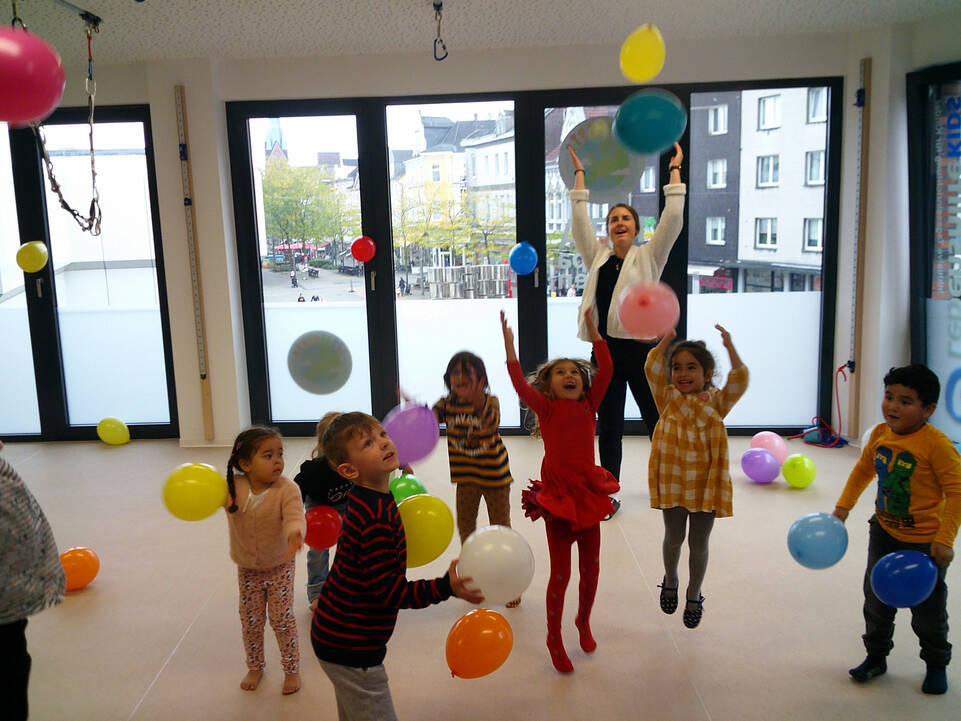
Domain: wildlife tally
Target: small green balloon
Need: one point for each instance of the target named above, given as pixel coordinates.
(799, 470)
(405, 486)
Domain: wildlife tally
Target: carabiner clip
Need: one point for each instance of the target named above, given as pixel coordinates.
(439, 41)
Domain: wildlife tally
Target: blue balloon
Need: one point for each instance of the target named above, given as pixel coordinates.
(650, 121)
(523, 258)
(904, 578)
(817, 540)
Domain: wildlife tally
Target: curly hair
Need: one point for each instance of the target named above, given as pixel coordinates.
(540, 381)
(702, 355)
(244, 448)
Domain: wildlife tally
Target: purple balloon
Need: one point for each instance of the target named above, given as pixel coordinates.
(760, 465)
(414, 431)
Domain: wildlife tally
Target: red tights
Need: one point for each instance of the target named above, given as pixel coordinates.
(560, 538)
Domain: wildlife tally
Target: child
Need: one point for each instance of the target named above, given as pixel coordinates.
(917, 507)
(357, 607)
(31, 579)
(478, 459)
(266, 520)
(573, 493)
(320, 485)
(688, 471)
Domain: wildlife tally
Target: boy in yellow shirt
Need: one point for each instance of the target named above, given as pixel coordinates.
(917, 507)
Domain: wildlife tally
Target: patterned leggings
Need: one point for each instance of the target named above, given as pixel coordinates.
(270, 590)
(498, 500)
(560, 538)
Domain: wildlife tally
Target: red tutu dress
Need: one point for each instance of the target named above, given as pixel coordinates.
(572, 486)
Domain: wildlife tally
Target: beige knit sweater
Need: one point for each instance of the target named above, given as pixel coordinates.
(258, 536)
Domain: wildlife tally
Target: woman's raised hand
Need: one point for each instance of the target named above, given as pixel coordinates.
(578, 169)
(678, 157)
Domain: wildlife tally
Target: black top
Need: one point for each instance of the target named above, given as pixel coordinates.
(324, 485)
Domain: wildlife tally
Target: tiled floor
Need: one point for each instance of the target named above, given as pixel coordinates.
(156, 635)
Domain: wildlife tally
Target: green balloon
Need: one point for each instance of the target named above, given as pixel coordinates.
(405, 486)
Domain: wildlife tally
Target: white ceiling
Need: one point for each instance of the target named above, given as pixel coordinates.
(163, 29)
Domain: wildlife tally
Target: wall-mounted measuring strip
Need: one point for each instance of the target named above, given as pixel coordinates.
(201, 333)
(863, 103)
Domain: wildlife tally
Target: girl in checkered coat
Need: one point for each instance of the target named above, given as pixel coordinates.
(688, 470)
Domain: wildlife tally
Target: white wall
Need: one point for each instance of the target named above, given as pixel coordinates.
(210, 83)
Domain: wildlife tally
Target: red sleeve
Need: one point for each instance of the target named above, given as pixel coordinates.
(534, 400)
(602, 379)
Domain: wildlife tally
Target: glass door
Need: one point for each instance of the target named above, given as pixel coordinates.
(453, 213)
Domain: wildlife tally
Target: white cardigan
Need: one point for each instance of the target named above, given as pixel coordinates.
(643, 263)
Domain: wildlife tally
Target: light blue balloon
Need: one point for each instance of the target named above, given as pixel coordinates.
(650, 121)
(904, 579)
(817, 540)
(523, 258)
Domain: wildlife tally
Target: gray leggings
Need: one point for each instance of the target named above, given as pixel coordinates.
(675, 528)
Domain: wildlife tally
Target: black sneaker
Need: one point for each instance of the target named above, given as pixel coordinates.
(615, 507)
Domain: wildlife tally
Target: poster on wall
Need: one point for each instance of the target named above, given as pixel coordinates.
(944, 302)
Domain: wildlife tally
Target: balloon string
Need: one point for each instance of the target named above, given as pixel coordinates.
(16, 16)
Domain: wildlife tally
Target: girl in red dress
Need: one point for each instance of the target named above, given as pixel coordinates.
(573, 492)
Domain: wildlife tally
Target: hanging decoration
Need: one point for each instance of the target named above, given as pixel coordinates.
(439, 45)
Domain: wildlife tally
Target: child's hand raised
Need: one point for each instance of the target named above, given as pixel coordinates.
(725, 336)
(508, 339)
(666, 339)
(460, 588)
(591, 326)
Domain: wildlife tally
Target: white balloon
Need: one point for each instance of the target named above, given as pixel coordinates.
(867, 435)
(500, 561)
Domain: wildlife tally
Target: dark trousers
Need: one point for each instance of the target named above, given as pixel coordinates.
(14, 670)
(628, 357)
(929, 620)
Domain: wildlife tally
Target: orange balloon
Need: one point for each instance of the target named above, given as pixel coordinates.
(80, 566)
(478, 643)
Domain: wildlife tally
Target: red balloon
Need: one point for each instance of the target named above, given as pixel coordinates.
(648, 310)
(323, 527)
(363, 249)
(31, 77)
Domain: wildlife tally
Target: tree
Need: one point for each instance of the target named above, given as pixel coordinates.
(298, 203)
(488, 226)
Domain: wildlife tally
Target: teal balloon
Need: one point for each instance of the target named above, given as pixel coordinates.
(817, 540)
(650, 121)
(405, 486)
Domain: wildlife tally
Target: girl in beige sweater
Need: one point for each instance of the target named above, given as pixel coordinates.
(265, 515)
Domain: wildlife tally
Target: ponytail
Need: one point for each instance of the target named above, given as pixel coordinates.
(245, 445)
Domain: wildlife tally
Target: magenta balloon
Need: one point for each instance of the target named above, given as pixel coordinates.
(760, 465)
(772, 442)
(648, 310)
(414, 431)
(31, 77)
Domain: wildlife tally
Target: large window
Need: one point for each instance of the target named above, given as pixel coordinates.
(19, 412)
(450, 265)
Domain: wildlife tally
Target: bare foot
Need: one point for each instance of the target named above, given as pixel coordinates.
(291, 683)
(515, 603)
(251, 680)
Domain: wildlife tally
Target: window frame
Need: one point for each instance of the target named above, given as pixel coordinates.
(763, 122)
(770, 223)
(809, 155)
(774, 171)
(721, 226)
(806, 236)
(813, 107)
(711, 185)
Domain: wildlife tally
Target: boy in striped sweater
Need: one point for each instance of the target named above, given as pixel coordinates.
(357, 607)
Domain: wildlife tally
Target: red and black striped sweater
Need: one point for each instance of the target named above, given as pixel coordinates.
(357, 607)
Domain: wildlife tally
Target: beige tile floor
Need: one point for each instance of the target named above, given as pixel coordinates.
(156, 635)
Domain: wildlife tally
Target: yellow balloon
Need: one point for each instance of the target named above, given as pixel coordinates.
(642, 54)
(32, 256)
(194, 491)
(799, 470)
(113, 431)
(429, 526)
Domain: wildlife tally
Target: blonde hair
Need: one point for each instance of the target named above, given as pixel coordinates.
(341, 429)
(540, 381)
(319, 432)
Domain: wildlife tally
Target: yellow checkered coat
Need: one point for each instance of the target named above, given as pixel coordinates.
(689, 463)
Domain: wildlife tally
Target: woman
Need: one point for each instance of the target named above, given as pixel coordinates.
(611, 269)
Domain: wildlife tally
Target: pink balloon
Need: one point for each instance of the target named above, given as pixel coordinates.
(771, 442)
(31, 77)
(648, 310)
